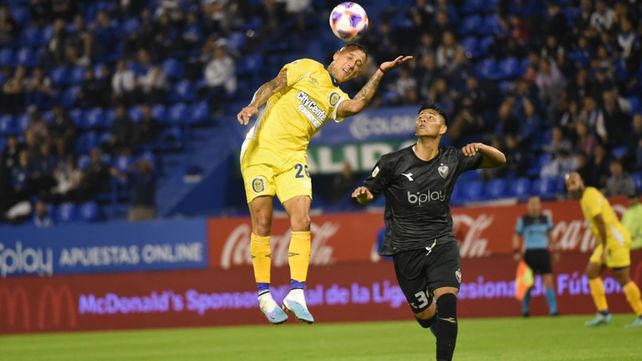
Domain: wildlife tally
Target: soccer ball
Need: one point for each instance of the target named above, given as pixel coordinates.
(348, 21)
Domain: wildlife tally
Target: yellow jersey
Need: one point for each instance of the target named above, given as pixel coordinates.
(294, 115)
(593, 203)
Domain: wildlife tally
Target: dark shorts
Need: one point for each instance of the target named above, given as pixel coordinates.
(420, 272)
(539, 260)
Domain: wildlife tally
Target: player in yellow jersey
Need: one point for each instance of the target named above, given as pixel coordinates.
(302, 98)
(612, 250)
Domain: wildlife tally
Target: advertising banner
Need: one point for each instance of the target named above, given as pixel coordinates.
(109, 247)
(482, 231)
(215, 297)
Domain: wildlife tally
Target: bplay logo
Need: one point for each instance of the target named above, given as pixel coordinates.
(420, 198)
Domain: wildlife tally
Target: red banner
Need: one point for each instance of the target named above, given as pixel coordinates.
(350, 237)
(213, 297)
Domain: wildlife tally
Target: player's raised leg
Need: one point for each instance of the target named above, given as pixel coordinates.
(593, 271)
(298, 209)
(261, 215)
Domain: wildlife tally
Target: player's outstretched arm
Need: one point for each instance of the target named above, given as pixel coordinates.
(362, 99)
(262, 95)
(362, 195)
(492, 157)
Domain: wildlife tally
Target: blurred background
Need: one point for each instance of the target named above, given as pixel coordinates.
(125, 109)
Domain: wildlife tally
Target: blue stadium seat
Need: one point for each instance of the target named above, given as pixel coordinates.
(637, 179)
(22, 122)
(7, 125)
(471, 25)
(76, 75)
(129, 26)
(160, 113)
(546, 188)
(184, 91)
(7, 57)
(27, 56)
(135, 113)
(178, 114)
(69, 97)
(122, 162)
(200, 112)
(470, 44)
(30, 36)
(521, 188)
(83, 161)
(635, 104)
(497, 188)
(170, 139)
(473, 191)
(490, 25)
(509, 68)
(89, 211)
(487, 69)
(65, 213)
(77, 116)
(94, 119)
(172, 69)
(59, 76)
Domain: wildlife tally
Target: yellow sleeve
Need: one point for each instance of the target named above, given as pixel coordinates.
(592, 202)
(343, 97)
(298, 69)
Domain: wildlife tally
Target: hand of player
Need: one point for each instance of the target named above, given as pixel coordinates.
(362, 195)
(246, 113)
(471, 149)
(556, 256)
(389, 65)
(603, 257)
(517, 256)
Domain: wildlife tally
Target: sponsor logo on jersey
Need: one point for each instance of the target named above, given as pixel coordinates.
(408, 175)
(443, 170)
(458, 275)
(334, 98)
(420, 198)
(311, 110)
(375, 171)
(258, 184)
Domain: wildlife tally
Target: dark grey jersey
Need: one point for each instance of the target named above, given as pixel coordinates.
(418, 195)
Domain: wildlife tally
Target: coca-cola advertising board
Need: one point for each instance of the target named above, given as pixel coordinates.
(213, 297)
(350, 237)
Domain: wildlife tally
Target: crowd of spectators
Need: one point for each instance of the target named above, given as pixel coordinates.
(89, 88)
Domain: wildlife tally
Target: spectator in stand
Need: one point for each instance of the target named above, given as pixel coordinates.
(153, 85)
(92, 91)
(593, 118)
(81, 40)
(120, 135)
(220, 77)
(619, 183)
(585, 141)
(57, 45)
(95, 177)
(123, 83)
(10, 154)
(104, 37)
(530, 124)
(62, 131)
(603, 17)
(447, 52)
(635, 136)
(41, 218)
(13, 90)
(427, 74)
(467, 123)
(550, 81)
(558, 143)
(143, 192)
(598, 167)
(38, 89)
(629, 45)
(37, 125)
(146, 130)
(439, 94)
(192, 35)
(8, 27)
(616, 123)
(405, 88)
(68, 180)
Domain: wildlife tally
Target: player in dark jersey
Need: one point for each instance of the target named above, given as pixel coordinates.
(418, 182)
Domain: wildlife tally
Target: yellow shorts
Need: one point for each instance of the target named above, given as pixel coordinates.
(268, 172)
(617, 255)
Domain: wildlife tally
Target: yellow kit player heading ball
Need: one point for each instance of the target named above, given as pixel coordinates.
(612, 250)
(303, 97)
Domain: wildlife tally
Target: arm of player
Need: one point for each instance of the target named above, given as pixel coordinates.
(362, 195)
(517, 247)
(362, 99)
(262, 95)
(492, 157)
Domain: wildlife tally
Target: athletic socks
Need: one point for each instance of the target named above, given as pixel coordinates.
(446, 326)
(632, 293)
(526, 303)
(261, 261)
(551, 300)
(598, 293)
(299, 258)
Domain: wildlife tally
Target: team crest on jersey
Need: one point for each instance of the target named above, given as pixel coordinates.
(443, 170)
(458, 275)
(375, 172)
(334, 98)
(258, 184)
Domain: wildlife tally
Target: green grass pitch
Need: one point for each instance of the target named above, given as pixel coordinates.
(512, 339)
